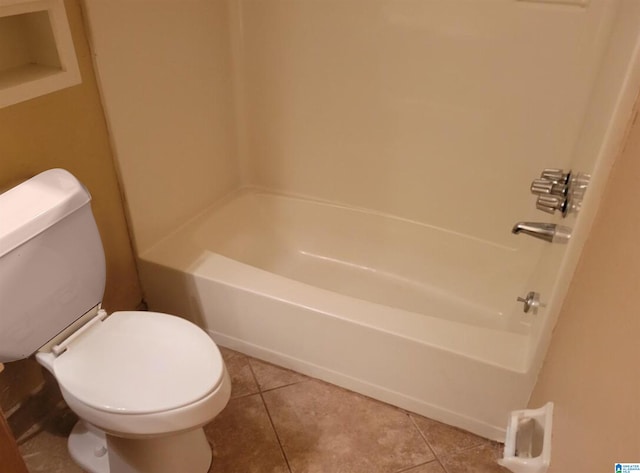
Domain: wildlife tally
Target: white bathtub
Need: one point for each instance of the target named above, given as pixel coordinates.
(409, 314)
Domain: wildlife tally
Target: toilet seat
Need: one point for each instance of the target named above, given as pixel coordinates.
(140, 363)
(182, 419)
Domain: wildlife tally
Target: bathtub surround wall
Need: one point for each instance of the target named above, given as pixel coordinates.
(440, 112)
(67, 129)
(375, 104)
(167, 90)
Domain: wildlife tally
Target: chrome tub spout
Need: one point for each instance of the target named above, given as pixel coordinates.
(550, 232)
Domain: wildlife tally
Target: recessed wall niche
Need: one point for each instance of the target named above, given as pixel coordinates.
(36, 50)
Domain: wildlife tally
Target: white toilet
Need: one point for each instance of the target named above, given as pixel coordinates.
(142, 383)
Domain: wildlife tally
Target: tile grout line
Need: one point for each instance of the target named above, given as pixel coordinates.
(424, 437)
(255, 378)
(253, 375)
(240, 396)
(466, 449)
(409, 468)
(279, 387)
(273, 426)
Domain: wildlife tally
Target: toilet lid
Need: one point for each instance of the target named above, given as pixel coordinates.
(140, 362)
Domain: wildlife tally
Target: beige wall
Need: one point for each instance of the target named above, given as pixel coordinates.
(592, 368)
(67, 129)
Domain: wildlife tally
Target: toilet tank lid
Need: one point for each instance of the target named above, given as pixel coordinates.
(36, 204)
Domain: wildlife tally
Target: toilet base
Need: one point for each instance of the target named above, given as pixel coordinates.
(88, 448)
(97, 452)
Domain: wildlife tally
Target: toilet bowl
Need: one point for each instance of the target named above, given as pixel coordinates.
(133, 377)
(142, 383)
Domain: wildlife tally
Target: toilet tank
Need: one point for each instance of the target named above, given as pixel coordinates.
(52, 267)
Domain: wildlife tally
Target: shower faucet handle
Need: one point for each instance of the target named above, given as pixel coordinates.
(551, 203)
(547, 187)
(541, 186)
(557, 176)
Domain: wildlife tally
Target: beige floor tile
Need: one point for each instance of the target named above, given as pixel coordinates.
(270, 376)
(243, 382)
(481, 459)
(243, 439)
(228, 352)
(431, 467)
(47, 453)
(444, 439)
(327, 429)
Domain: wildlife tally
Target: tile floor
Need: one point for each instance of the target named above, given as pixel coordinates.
(279, 421)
